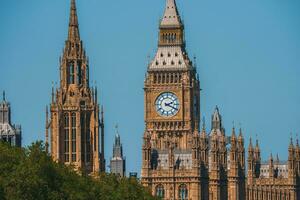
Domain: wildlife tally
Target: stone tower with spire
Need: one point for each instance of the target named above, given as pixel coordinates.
(118, 161)
(226, 162)
(171, 165)
(75, 121)
(9, 132)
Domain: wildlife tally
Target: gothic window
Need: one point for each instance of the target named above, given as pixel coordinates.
(160, 191)
(85, 138)
(72, 73)
(83, 124)
(87, 74)
(66, 137)
(78, 73)
(88, 145)
(73, 137)
(183, 192)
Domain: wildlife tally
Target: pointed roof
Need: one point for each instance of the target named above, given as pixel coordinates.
(291, 146)
(171, 16)
(216, 115)
(233, 135)
(4, 103)
(73, 23)
(250, 147)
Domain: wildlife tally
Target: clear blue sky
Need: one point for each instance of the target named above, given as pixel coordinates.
(248, 56)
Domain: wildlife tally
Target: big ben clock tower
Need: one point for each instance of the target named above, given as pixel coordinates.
(171, 148)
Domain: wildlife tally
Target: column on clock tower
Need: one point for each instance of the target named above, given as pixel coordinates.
(172, 110)
(74, 121)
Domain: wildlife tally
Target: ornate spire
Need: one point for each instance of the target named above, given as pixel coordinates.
(291, 146)
(241, 133)
(250, 148)
(216, 119)
(171, 16)
(73, 23)
(233, 136)
(117, 131)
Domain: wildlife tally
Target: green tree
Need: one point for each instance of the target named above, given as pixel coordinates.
(30, 174)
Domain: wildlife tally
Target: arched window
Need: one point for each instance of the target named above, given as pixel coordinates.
(72, 73)
(160, 191)
(66, 137)
(183, 192)
(73, 117)
(78, 71)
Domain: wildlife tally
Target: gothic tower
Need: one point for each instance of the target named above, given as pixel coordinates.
(74, 111)
(10, 133)
(118, 161)
(172, 144)
(218, 186)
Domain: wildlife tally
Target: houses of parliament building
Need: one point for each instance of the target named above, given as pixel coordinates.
(181, 159)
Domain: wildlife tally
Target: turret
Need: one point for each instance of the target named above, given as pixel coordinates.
(204, 146)
(257, 159)
(5, 112)
(241, 150)
(118, 161)
(233, 155)
(251, 161)
(9, 132)
(291, 161)
(117, 149)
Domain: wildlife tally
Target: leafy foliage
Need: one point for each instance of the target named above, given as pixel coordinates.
(31, 174)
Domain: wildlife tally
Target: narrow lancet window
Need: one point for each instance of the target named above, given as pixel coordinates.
(66, 137)
(72, 74)
(73, 137)
(78, 71)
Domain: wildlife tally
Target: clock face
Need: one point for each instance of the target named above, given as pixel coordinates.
(167, 104)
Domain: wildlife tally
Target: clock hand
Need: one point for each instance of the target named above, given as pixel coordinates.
(169, 105)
